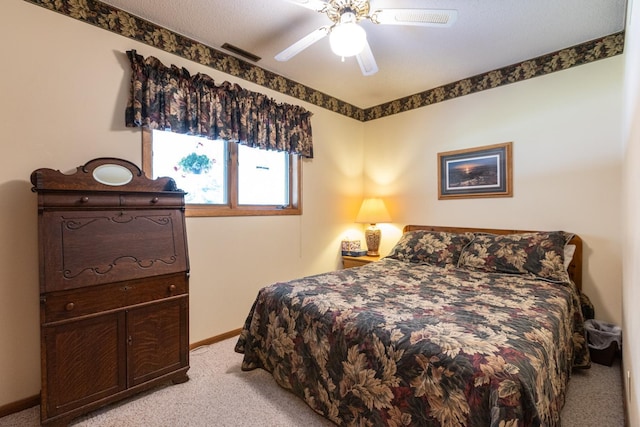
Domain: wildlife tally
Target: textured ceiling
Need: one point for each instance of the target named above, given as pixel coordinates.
(487, 35)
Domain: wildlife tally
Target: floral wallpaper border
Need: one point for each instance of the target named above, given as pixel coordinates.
(107, 17)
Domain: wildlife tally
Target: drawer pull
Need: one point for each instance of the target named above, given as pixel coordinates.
(70, 306)
(172, 288)
(84, 199)
(155, 200)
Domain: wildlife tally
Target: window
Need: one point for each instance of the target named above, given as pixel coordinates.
(223, 178)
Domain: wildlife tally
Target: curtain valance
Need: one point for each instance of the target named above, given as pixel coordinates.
(169, 98)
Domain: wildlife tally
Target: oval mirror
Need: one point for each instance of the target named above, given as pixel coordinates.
(110, 174)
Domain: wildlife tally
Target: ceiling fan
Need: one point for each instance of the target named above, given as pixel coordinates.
(347, 38)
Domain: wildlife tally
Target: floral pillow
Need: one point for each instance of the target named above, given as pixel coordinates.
(438, 248)
(537, 253)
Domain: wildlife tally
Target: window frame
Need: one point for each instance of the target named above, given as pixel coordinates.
(232, 208)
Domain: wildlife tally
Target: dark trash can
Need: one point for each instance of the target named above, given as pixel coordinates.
(605, 339)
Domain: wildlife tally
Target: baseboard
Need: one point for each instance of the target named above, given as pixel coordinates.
(216, 339)
(29, 402)
(625, 390)
(19, 406)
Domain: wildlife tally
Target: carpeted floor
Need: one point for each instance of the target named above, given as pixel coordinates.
(220, 394)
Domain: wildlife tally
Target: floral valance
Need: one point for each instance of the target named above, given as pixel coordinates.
(169, 98)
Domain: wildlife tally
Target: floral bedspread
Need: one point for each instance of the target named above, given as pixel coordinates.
(396, 343)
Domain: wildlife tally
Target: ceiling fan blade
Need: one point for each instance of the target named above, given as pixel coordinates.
(422, 17)
(302, 44)
(366, 61)
(317, 5)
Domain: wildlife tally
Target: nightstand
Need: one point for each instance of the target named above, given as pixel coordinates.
(357, 261)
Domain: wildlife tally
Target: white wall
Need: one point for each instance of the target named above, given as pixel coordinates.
(567, 156)
(631, 271)
(64, 87)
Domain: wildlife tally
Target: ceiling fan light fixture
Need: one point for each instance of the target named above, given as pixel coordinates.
(347, 38)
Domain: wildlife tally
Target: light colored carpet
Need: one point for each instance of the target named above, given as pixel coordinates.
(218, 393)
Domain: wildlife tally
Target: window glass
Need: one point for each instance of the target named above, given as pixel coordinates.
(196, 164)
(263, 177)
(224, 178)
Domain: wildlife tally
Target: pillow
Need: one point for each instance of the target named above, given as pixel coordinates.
(569, 250)
(439, 248)
(537, 253)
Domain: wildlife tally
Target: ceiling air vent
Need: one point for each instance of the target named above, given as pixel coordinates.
(241, 52)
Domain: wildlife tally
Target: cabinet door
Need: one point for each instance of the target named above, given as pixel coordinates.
(83, 361)
(158, 339)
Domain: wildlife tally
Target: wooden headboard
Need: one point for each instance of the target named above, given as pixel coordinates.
(575, 267)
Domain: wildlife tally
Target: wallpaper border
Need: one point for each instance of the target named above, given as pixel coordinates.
(107, 17)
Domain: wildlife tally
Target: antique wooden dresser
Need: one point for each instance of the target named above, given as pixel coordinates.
(114, 273)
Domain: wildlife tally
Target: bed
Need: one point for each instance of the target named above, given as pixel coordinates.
(455, 327)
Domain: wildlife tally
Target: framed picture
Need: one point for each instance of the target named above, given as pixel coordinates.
(475, 172)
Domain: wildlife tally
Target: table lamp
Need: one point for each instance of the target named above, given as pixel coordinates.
(372, 212)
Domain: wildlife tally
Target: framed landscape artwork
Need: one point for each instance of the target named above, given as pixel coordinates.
(476, 172)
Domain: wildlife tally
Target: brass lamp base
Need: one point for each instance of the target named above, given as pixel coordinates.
(372, 237)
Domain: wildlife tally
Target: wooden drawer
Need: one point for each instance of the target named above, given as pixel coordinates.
(147, 201)
(84, 301)
(352, 261)
(155, 288)
(80, 199)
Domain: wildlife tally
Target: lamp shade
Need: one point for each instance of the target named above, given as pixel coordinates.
(373, 211)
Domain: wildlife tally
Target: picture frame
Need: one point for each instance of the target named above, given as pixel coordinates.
(476, 172)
